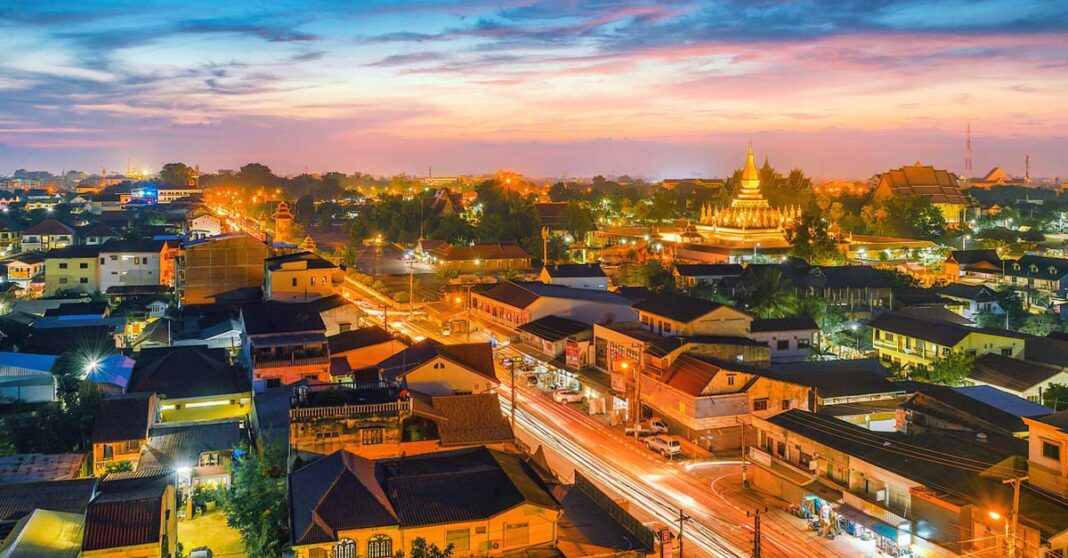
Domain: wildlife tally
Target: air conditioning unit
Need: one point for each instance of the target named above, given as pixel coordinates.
(496, 545)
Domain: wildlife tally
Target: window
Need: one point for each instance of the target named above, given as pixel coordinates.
(371, 436)
(889, 336)
(780, 449)
(109, 452)
(346, 548)
(1051, 450)
(312, 280)
(83, 280)
(945, 351)
(730, 379)
(83, 265)
(460, 539)
(760, 404)
(786, 404)
(209, 459)
(970, 352)
(782, 345)
(63, 265)
(131, 446)
(516, 534)
(379, 546)
(294, 282)
(62, 280)
(667, 327)
(344, 326)
(1006, 351)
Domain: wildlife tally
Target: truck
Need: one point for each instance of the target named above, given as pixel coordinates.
(648, 427)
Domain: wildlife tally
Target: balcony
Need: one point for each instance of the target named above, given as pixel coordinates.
(273, 361)
(365, 410)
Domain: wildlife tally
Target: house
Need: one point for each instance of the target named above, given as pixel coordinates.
(974, 266)
(579, 276)
(27, 377)
(223, 268)
(909, 341)
(974, 299)
(691, 275)
(998, 177)
(483, 257)
(201, 452)
(338, 313)
(132, 514)
(135, 263)
(201, 224)
(443, 203)
(435, 369)
(939, 186)
(100, 338)
(790, 339)
(111, 374)
(376, 420)
(552, 215)
(24, 268)
(855, 287)
(346, 505)
(19, 500)
(677, 314)
(514, 303)
(45, 533)
(74, 268)
(46, 235)
(99, 234)
(977, 408)
(299, 277)
(552, 335)
(1048, 276)
(362, 348)
(10, 235)
(192, 383)
(121, 429)
(284, 342)
(1024, 378)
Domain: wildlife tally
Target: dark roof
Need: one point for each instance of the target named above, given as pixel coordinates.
(49, 226)
(842, 276)
(186, 371)
(691, 375)
(123, 417)
(978, 293)
(1043, 264)
(1046, 350)
(58, 340)
(782, 324)
(20, 499)
(313, 261)
(484, 251)
(78, 309)
(74, 251)
(840, 378)
(941, 333)
(709, 270)
(574, 270)
(343, 491)
(677, 307)
(554, 328)
(966, 257)
(520, 294)
(357, 339)
(175, 445)
(1011, 373)
(469, 419)
(116, 245)
(946, 402)
(477, 357)
(265, 318)
(636, 294)
(934, 312)
(329, 303)
(100, 229)
(127, 510)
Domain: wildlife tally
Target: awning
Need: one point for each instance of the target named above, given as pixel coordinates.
(882, 528)
(824, 492)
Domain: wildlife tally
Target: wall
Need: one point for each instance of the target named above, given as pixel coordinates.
(129, 268)
(78, 278)
(440, 376)
(298, 285)
(221, 266)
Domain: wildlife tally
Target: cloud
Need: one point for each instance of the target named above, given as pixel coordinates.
(408, 59)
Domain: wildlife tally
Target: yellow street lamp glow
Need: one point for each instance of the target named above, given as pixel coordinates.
(994, 515)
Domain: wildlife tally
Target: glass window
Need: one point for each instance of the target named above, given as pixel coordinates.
(760, 404)
(371, 436)
(83, 280)
(62, 266)
(460, 539)
(109, 452)
(346, 548)
(379, 546)
(786, 404)
(1006, 351)
(516, 534)
(1051, 450)
(782, 345)
(730, 379)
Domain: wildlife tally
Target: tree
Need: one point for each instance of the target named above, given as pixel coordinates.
(950, 369)
(650, 274)
(1056, 397)
(177, 174)
(1040, 324)
(811, 241)
(420, 549)
(578, 220)
(255, 175)
(304, 209)
(256, 504)
(770, 296)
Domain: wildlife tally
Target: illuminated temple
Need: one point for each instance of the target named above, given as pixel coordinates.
(749, 219)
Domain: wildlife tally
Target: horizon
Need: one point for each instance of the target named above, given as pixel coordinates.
(545, 88)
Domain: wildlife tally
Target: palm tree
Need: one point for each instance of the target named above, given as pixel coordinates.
(770, 296)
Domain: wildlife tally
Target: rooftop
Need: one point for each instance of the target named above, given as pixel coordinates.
(574, 270)
(678, 307)
(476, 357)
(795, 323)
(186, 371)
(122, 418)
(35, 467)
(521, 294)
(265, 318)
(554, 328)
(358, 338)
(304, 260)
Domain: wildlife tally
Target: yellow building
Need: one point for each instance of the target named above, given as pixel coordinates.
(675, 314)
(299, 277)
(938, 185)
(344, 506)
(915, 342)
(74, 268)
(192, 383)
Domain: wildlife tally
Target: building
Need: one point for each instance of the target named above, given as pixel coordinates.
(974, 300)
(908, 341)
(283, 223)
(132, 514)
(974, 266)
(552, 335)
(46, 235)
(675, 314)
(202, 225)
(284, 343)
(790, 339)
(10, 235)
(483, 257)
(200, 452)
(360, 349)
(74, 268)
(435, 369)
(514, 303)
(192, 383)
(1048, 276)
(1027, 379)
(344, 505)
(98, 234)
(135, 263)
(579, 276)
(121, 429)
(338, 313)
(27, 377)
(24, 268)
(997, 177)
(222, 268)
(976, 409)
(299, 277)
(691, 275)
(939, 186)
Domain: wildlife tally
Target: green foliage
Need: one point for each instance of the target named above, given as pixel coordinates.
(579, 220)
(949, 369)
(304, 210)
(420, 549)
(811, 241)
(118, 467)
(651, 274)
(177, 174)
(1056, 397)
(256, 504)
(1040, 324)
(769, 295)
(904, 216)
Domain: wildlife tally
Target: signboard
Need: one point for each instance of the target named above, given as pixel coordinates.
(574, 352)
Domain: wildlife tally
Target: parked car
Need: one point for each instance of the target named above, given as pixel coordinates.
(647, 427)
(567, 396)
(506, 362)
(664, 445)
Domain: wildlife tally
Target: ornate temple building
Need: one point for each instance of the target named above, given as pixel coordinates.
(283, 223)
(749, 219)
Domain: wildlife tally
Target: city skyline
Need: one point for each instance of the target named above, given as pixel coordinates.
(544, 88)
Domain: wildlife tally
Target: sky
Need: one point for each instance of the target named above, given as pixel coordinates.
(549, 88)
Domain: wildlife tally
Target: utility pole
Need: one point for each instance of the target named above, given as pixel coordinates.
(683, 518)
(513, 396)
(545, 246)
(411, 289)
(1014, 521)
(756, 530)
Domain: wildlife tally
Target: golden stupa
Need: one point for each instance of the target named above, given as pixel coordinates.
(749, 219)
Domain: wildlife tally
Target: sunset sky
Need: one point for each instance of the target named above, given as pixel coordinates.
(669, 89)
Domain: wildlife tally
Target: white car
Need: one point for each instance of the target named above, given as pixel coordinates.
(664, 445)
(567, 396)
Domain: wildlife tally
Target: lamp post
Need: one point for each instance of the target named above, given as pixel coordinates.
(755, 246)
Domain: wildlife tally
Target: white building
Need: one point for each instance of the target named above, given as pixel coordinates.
(124, 263)
(204, 226)
(579, 276)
